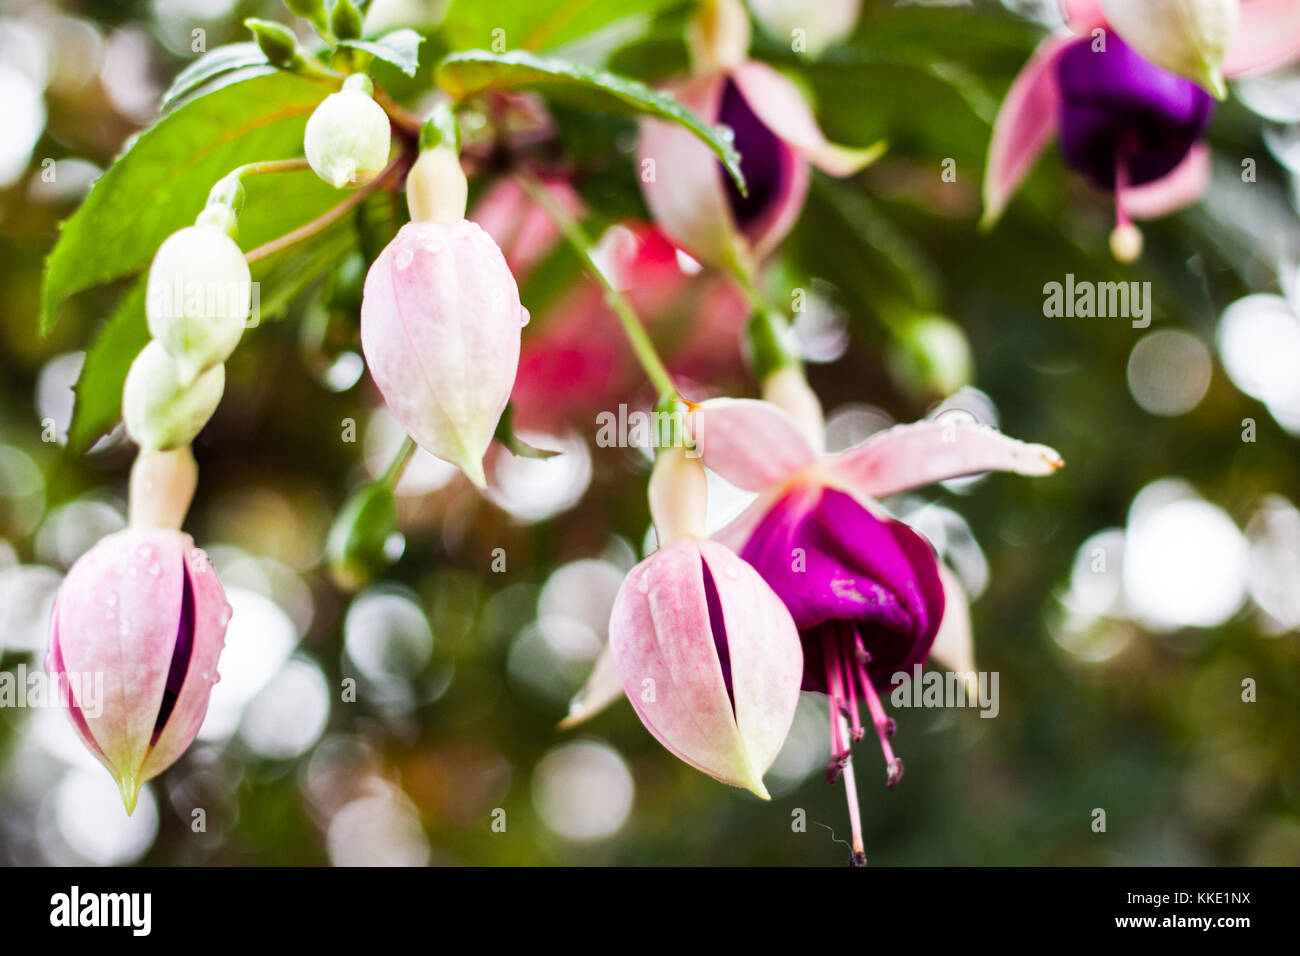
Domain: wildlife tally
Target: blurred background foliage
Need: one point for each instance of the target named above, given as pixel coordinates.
(1122, 602)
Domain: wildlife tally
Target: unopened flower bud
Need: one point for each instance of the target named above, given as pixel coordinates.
(931, 357)
(348, 136)
(137, 629)
(198, 298)
(160, 411)
(440, 329)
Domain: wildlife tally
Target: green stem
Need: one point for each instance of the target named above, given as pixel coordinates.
(270, 166)
(328, 218)
(637, 336)
(393, 474)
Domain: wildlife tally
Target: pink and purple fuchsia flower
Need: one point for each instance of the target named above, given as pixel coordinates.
(866, 592)
(1125, 91)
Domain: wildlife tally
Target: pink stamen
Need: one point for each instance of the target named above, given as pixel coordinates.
(859, 857)
(850, 672)
(893, 765)
(835, 688)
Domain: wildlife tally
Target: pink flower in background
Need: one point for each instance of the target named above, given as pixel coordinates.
(689, 192)
(574, 360)
(142, 616)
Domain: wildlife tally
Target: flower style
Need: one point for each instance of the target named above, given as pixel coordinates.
(144, 611)
(1121, 91)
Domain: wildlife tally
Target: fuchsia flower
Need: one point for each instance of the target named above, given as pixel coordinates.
(689, 192)
(144, 610)
(1130, 126)
(708, 654)
(866, 592)
(440, 329)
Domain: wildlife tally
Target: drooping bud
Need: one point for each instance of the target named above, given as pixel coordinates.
(198, 298)
(275, 40)
(348, 136)
(162, 487)
(440, 329)
(718, 35)
(137, 630)
(710, 659)
(1187, 37)
(160, 411)
(931, 357)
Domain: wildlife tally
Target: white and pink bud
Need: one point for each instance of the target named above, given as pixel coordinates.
(161, 410)
(142, 616)
(440, 329)
(348, 136)
(708, 654)
(198, 298)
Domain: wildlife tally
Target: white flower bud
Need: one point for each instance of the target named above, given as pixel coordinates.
(198, 298)
(159, 410)
(348, 136)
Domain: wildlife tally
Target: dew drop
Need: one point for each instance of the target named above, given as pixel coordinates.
(225, 615)
(524, 317)
(154, 569)
(404, 258)
(725, 133)
(733, 572)
(643, 585)
(124, 628)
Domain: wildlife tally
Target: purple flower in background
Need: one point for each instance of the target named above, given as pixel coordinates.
(1124, 121)
(1121, 89)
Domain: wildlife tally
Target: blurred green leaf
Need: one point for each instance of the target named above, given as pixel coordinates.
(539, 24)
(160, 184)
(401, 48)
(99, 389)
(477, 71)
(224, 59)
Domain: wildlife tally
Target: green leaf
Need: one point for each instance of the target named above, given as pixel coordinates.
(224, 59)
(540, 24)
(476, 71)
(160, 184)
(401, 48)
(99, 389)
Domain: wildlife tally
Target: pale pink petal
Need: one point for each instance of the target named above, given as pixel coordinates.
(1268, 36)
(909, 456)
(753, 444)
(1025, 122)
(1184, 185)
(736, 532)
(1082, 16)
(777, 102)
(126, 590)
(603, 687)
(680, 177)
(663, 645)
(765, 655)
(954, 645)
(211, 615)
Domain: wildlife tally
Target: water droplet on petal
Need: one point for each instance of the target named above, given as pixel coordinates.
(404, 258)
(733, 572)
(524, 317)
(643, 584)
